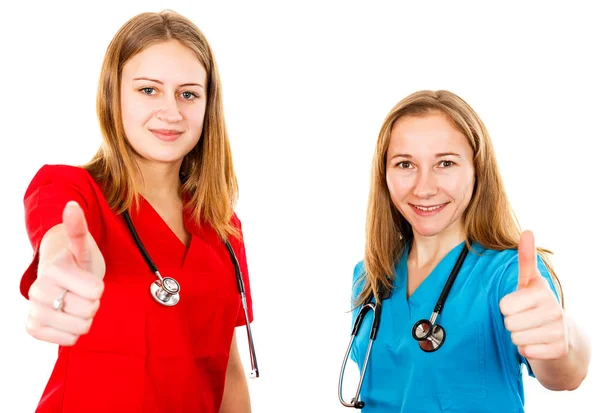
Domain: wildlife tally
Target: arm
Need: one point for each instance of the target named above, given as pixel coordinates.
(556, 349)
(236, 398)
(566, 372)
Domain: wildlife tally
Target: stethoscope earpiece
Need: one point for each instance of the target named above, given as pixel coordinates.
(357, 405)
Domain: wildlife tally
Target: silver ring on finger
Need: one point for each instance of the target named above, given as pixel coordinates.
(59, 302)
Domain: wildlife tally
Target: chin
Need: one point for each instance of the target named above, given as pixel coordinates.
(428, 229)
(164, 156)
(427, 232)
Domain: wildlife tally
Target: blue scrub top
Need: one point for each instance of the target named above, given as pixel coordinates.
(477, 369)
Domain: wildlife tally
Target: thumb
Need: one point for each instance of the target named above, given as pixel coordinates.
(527, 259)
(77, 232)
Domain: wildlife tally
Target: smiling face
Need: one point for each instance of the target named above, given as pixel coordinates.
(163, 101)
(430, 173)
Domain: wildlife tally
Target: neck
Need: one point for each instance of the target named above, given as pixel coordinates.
(428, 251)
(159, 181)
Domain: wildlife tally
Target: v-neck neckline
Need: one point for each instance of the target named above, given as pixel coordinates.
(162, 229)
(406, 310)
(431, 278)
(166, 225)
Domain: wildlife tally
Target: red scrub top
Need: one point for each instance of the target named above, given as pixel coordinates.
(141, 356)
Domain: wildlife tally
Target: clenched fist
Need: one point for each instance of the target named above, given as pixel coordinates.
(533, 315)
(69, 277)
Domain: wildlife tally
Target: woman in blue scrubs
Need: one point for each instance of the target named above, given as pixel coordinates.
(436, 189)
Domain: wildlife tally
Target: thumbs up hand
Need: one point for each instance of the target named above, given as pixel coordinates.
(66, 294)
(533, 315)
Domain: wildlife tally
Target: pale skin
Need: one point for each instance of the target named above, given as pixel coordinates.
(557, 351)
(430, 176)
(163, 96)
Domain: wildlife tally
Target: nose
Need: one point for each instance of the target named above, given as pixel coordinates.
(169, 110)
(425, 185)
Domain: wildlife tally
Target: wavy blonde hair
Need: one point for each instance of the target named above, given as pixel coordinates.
(210, 183)
(488, 219)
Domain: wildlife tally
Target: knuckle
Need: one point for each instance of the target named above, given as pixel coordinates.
(47, 271)
(35, 290)
(100, 289)
(95, 289)
(559, 350)
(86, 325)
(31, 328)
(88, 312)
(557, 335)
(43, 270)
(34, 312)
(93, 309)
(71, 340)
(557, 313)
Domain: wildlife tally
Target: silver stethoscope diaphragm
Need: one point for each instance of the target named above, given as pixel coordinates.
(165, 291)
(429, 335)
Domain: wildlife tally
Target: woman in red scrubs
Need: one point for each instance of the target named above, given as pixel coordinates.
(165, 162)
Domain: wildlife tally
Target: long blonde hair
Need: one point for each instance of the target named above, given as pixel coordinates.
(488, 219)
(210, 183)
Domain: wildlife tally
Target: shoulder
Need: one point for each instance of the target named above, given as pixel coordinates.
(498, 270)
(57, 184)
(358, 278)
(52, 172)
(60, 175)
(237, 241)
(235, 221)
(359, 270)
(491, 265)
(494, 261)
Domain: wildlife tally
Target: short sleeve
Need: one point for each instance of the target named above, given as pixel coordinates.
(358, 283)
(240, 251)
(44, 201)
(508, 284)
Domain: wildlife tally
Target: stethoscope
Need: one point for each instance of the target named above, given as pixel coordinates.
(165, 290)
(429, 335)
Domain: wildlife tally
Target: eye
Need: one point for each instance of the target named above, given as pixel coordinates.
(148, 90)
(189, 95)
(446, 164)
(403, 165)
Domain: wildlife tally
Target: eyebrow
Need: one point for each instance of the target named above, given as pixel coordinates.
(161, 83)
(437, 155)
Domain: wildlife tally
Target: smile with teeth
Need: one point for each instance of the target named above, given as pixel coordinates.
(428, 209)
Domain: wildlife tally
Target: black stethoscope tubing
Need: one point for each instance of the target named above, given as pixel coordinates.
(429, 335)
(169, 294)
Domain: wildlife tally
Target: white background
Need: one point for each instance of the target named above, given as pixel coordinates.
(306, 89)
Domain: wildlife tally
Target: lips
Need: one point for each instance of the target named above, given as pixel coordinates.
(428, 210)
(166, 135)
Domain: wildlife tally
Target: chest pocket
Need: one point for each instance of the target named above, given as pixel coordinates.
(458, 368)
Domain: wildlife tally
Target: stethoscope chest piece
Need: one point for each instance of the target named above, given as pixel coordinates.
(429, 336)
(165, 292)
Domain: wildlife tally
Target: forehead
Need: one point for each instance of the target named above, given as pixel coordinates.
(169, 61)
(432, 132)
